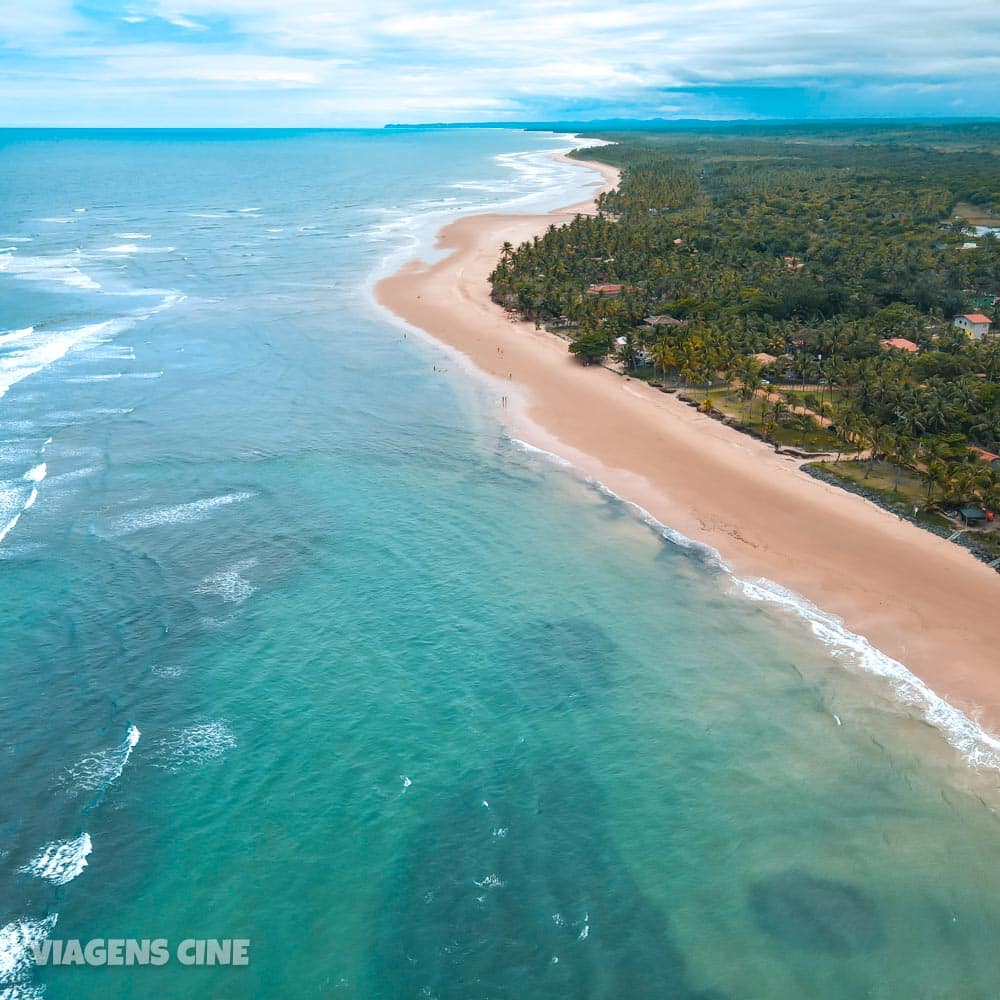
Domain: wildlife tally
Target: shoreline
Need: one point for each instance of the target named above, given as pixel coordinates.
(916, 598)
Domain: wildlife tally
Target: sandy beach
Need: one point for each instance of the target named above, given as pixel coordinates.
(923, 601)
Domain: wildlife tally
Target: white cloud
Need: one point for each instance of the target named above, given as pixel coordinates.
(234, 69)
(400, 59)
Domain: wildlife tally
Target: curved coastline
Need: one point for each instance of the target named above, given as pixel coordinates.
(906, 596)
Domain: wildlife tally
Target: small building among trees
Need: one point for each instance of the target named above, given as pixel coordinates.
(899, 344)
(976, 325)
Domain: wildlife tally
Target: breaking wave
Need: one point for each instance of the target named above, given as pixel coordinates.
(60, 862)
(180, 513)
(58, 270)
(195, 746)
(99, 771)
(18, 941)
(229, 584)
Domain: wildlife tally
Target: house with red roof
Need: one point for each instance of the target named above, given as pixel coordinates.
(976, 325)
(989, 457)
(899, 344)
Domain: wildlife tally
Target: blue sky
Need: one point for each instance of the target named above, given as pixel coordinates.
(347, 62)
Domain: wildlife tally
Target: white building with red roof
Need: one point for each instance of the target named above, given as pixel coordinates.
(976, 325)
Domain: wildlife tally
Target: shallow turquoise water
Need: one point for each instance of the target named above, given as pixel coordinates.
(421, 714)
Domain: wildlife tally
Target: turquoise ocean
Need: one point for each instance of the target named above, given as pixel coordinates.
(297, 646)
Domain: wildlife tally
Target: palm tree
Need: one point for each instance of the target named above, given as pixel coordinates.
(902, 454)
(854, 428)
(805, 423)
(881, 441)
(973, 480)
(663, 355)
(626, 351)
(777, 410)
(746, 395)
(936, 477)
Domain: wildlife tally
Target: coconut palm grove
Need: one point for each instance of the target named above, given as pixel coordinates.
(804, 283)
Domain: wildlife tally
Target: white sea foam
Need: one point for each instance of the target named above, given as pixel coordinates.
(112, 377)
(10, 525)
(181, 513)
(106, 377)
(125, 249)
(133, 236)
(114, 352)
(15, 499)
(167, 672)
(18, 941)
(170, 299)
(60, 862)
(229, 584)
(195, 746)
(490, 881)
(16, 451)
(479, 186)
(542, 453)
(978, 747)
(13, 336)
(59, 270)
(540, 182)
(82, 473)
(42, 349)
(97, 772)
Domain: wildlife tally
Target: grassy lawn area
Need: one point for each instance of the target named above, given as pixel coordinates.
(787, 433)
(645, 373)
(883, 479)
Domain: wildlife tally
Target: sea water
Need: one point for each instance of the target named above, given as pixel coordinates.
(299, 647)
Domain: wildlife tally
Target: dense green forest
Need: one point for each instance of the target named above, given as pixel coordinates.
(810, 245)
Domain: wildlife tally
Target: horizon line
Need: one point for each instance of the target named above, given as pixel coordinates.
(557, 124)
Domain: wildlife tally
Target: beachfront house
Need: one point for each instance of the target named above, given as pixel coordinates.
(976, 325)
